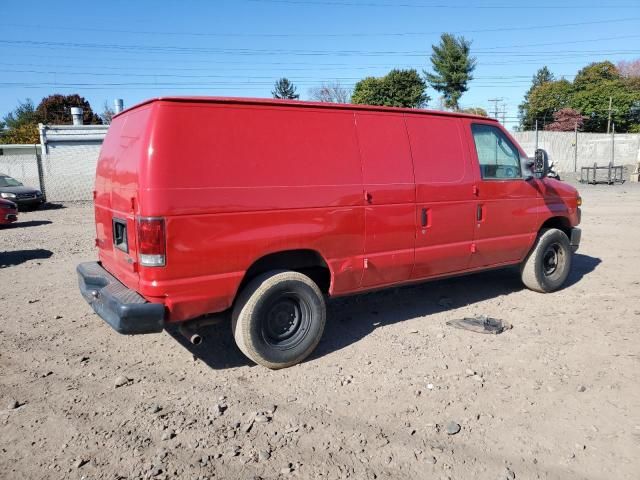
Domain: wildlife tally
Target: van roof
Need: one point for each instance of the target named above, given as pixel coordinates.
(299, 104)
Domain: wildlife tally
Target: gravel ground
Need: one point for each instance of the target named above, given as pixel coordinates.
(556, 397)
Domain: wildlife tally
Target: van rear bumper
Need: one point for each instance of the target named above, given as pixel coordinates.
(125, 310)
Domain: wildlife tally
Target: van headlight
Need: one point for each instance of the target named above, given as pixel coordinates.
(7, 195)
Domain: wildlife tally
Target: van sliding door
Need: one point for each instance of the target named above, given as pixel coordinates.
(389, 193)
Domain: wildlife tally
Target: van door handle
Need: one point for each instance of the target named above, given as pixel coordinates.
(480, 213)
(424, 217)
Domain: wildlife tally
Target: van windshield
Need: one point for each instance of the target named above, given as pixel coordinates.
(9, 182)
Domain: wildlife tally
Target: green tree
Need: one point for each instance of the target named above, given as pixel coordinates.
(399, 88)
(21, 125)
(56, 110)
(24, 113)
(284, 89)
(542, 76)
(595, 73)
(476, 111)
(547, 99)
(453, 66)
(593, 103)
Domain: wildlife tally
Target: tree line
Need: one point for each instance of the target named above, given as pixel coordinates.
(21, 125)
(602, 95)
(452, 69)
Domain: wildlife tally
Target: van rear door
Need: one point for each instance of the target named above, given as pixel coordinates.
(124, 150)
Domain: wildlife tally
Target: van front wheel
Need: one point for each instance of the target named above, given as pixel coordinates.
(278, 318)
(548, 264)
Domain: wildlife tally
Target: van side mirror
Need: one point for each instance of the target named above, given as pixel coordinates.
(540, 163)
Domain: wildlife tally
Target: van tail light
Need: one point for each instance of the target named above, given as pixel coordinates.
(152, 242)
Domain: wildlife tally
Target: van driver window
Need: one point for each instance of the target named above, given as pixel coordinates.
(497, 156)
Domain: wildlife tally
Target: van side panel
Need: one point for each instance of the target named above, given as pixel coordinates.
(390, 198)
(235, 183)
(123, 152)
(445, 205)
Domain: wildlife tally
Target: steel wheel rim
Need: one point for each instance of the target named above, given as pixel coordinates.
(286, 320)
(553, 260)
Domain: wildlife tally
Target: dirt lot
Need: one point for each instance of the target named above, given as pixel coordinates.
(556, 397)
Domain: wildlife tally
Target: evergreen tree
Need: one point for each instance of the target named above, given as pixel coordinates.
(284, 89)
(453, 67)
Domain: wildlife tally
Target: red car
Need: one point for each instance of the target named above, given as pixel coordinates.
(267, 207)
(8, 212)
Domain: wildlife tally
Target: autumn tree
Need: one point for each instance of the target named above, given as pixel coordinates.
(399, 88)
(56, 110)
(452, 66)
(284, 89)
(566, 120)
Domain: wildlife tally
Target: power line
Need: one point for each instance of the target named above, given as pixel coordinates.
(336, 3)
(311, 34)
(294, 52)
(252, 69)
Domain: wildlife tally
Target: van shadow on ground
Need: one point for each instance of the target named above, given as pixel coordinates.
(11, 259)
(29, 223)
(350, 319)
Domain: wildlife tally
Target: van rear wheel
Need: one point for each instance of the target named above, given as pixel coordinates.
(547, 266)
(278, 318)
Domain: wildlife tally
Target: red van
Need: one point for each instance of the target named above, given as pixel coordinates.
(267, 207)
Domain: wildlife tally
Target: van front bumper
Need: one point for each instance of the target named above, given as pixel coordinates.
(124, 309)
(574, 241)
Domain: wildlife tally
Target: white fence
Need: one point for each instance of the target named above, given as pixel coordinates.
(68, 156)
(570, 153)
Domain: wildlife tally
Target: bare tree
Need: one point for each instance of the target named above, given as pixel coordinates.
(629, 69)
(331, 92)
(107, 114)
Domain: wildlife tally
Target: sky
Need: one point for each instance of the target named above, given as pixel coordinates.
(138, 49)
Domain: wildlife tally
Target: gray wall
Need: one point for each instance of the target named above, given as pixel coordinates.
(592, 147)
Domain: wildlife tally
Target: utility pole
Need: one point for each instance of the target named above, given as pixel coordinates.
(495, 106)
(613, 144)
(609, 120)
(536, 134)
(575, 153)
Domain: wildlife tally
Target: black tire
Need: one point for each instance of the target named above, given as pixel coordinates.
(547, 266)
(278, 318)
